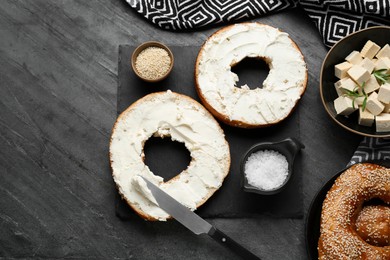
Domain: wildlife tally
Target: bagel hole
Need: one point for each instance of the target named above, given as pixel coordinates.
(381, 225)
(165, 157)
(252, 72)
(374, 202)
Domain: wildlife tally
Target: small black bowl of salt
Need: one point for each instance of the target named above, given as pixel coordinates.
(267, 167)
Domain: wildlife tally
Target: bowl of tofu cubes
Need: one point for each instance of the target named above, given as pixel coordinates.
(355, 82)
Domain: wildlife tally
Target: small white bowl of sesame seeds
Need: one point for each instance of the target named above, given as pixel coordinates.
(152, 61)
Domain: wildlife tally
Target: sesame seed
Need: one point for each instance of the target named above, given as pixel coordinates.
(342, 205)
(153, 63)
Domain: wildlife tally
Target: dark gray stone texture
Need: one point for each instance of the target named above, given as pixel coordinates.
(58, 93)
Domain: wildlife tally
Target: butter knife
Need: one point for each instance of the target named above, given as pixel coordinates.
(195, 223)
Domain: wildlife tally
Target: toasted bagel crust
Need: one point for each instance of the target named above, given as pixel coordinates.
(341, 207)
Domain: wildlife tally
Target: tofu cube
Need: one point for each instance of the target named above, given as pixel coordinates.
(365, 117)
(384, 93)
(383, 122)
(384, 52)
(340, 70)
(354, 57)
(368, 64)
(359, 74)
(383, 63)
(370, 49)
(349, 84)
(337, 86)
(359, 101)
(387, 108)
(374, 106)
(371, 85)
(343, 106)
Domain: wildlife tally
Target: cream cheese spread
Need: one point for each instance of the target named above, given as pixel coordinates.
(282, 88)
(168, 114)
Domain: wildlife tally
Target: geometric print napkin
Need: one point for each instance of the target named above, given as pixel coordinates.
(334, 19)
(192, 14)
(372, 149)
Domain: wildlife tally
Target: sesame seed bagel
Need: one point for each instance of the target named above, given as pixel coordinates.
(373, 224)
(339, 238)
(168, 114)
(241, 106)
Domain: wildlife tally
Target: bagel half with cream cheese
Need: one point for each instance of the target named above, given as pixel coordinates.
(239, 105)
(168, 114)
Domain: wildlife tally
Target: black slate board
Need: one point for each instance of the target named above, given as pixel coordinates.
(229, 201)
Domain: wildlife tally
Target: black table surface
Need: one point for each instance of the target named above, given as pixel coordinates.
(58, 83)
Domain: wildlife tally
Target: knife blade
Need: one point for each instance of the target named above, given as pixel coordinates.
(195, 223)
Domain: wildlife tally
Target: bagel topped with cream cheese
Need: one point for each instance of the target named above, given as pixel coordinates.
(241, 106)
(168, 114)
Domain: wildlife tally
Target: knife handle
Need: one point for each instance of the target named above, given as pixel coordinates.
(223, 239)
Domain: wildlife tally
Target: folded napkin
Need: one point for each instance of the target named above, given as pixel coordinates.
(191, 14)
(372, 149)
(334, 19)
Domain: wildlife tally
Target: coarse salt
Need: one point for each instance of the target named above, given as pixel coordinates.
(266, 169)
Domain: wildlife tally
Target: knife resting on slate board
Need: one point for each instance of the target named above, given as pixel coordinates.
(229, 201)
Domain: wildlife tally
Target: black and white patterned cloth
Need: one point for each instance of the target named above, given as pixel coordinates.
(334, 19)
(191, 14)
(372, 149)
